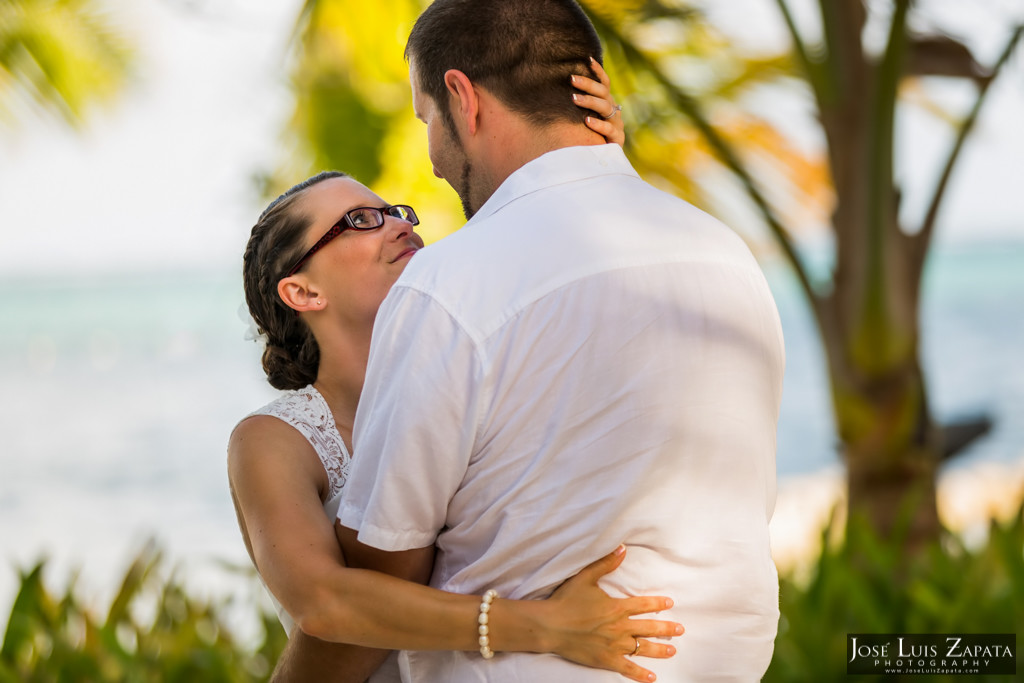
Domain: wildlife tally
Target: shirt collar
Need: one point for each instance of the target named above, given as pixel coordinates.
(565, 165)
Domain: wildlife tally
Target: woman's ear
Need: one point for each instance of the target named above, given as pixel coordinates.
(299, 294)
(464, 100)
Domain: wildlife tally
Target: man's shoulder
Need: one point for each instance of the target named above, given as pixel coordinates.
(427, 297)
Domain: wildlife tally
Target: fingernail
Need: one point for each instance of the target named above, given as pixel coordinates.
(589, 121)
(622, 548)
(575, 97)
(679, 629)
(593, 60)
(652, 677)
(573, 78)
(671, 650)
(668, 603)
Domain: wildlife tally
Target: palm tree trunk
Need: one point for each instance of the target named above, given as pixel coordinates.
(892, 451)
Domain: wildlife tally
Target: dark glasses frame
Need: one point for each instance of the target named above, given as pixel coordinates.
(401, 211)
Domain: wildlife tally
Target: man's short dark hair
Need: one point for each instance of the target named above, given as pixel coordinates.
(522, 51)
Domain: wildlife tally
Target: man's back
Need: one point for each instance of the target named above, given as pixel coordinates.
(611, 368)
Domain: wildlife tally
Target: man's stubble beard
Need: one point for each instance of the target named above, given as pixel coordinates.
(465, 191)
(465, 182)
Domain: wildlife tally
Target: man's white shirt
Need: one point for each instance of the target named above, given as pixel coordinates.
(589, 361)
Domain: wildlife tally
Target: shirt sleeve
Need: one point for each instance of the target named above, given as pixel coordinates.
(415, 426)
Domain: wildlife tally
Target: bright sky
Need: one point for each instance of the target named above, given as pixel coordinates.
(163, 178)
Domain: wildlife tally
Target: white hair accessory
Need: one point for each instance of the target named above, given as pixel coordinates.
(252, 331)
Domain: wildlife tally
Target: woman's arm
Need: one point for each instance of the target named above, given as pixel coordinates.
(277, 485)
(276, 481)
(579, 622)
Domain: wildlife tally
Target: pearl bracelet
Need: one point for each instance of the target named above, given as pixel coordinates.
(485, 639)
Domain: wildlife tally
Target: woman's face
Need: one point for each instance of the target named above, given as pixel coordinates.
(356, 269)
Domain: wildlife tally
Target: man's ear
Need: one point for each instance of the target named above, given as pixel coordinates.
(463, 97)
(299, 294)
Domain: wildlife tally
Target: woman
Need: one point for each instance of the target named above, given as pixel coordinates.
(315, 281)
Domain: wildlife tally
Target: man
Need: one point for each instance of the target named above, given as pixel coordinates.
(588, 361)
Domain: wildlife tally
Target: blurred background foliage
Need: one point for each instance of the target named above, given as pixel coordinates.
(59, 56)
(152, 631)
(869, 587)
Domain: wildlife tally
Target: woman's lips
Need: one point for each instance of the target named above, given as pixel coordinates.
(406, 253)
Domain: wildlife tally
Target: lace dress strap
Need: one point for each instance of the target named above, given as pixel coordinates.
(307, 411)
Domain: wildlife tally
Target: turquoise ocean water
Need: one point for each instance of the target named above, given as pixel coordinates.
(117, 394)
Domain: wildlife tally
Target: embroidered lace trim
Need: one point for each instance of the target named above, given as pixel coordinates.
(307, 411)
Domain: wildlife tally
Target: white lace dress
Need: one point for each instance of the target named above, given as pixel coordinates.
(307, 411)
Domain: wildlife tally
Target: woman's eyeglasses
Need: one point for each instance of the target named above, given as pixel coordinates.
(362, 218)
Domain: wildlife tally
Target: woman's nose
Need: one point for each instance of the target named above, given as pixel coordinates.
(397, 227)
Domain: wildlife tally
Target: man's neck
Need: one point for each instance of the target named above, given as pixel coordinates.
(518, 143)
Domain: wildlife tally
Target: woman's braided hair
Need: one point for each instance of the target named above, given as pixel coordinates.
(291, 357)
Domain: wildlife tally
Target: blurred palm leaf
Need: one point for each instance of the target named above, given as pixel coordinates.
(60, 56)
(51, 637)
(691, 114)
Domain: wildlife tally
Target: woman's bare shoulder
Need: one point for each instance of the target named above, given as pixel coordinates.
(265, 441)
